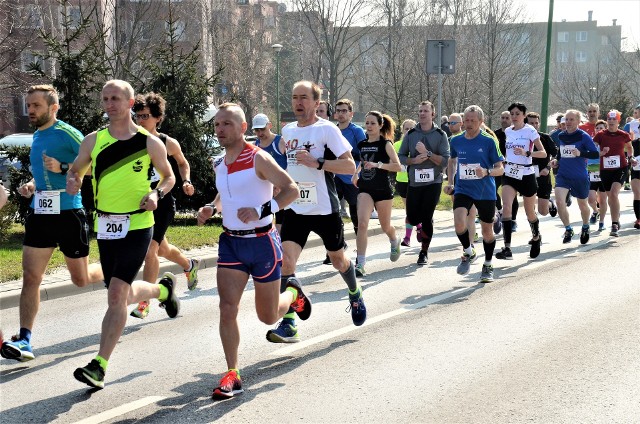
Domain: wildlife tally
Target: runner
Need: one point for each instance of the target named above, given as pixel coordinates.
(597, 194)
(316, 150)
(634, 131)
(425, 152)
(576, 146)
(519, 177)
(475, 160)
(54, 219)
(378, 158)
(149, 113)
(542, 168)
(121, 157)
(402, 184)
(614, 145)
(245, 178)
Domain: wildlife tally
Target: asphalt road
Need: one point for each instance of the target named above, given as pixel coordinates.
(556, 339)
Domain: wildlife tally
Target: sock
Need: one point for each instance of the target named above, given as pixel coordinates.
(290, 315)
(357, 291)
(408, 229)
(349, 277)
(535, 229)
(103, 362)
(190, 267)
(25, 334)
(236, 370)
(636, 208)
(568, 228)
(489, 247)
(464, 239)
(507, 229)
(293, 291)
(164, 293)
(514, 209)
(419, 227)
(616, 223)
(585, 226)
(361, 259)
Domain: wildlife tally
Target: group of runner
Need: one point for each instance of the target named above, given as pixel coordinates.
(298, 178)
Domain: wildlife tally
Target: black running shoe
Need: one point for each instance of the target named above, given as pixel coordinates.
(171, 304)
(535, 247)
(505, 253)
(301, 304)
(422, 258)
(553, 210)
(568, 234)
(327, 260)
(584, 235)
(92, 375)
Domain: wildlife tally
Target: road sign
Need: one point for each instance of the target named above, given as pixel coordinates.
(441, 54)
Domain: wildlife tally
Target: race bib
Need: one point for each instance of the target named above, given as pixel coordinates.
(113, 227)
(308, 194)
(291, 157)
(565, 151)
(513, 171)
(468, 171)
(155, 177)
(424, 175)
(536, 170)
(47, 202)
(637, 167)
(594, 176)
(611, 162)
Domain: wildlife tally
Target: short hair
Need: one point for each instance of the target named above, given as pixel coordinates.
(559, 116)
(517, 105)
(574, 112)
(535, 115)
(477, 109)
(426, 103)
(329, 108)
(316, 91)
(155, 102)
(596, 105)
(601, 122)
(49, 92)
(347, 102)
(444, 118)
(411, 121)
(235, 109)
(123, 85)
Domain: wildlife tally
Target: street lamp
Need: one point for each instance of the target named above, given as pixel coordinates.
(276, 48)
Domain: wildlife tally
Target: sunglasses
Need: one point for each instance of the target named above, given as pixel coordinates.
(142, 116)
(454, 122)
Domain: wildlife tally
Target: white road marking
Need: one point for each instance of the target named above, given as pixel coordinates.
(121, 410)
(341, 331)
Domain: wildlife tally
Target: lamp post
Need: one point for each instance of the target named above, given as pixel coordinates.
(277, 48)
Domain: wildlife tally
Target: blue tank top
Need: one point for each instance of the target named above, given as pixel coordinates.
(273, 150)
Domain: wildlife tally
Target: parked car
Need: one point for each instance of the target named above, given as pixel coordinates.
(13, 140)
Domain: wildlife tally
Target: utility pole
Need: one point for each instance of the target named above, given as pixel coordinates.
(544, 109)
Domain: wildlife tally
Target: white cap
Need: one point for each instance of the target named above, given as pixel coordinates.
(260, 121)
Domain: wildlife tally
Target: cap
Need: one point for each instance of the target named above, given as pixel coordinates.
(259, 121)
(614, 114)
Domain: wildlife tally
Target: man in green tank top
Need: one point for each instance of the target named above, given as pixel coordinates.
(121, 157)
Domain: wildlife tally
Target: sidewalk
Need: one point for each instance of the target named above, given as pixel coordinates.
(58, 284)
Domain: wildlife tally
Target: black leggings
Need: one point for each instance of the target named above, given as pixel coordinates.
(421, 204)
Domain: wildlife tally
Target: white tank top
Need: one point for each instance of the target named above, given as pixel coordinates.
(523, 138)
(240, 187)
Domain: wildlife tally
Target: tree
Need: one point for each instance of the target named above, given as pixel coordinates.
(175, 74)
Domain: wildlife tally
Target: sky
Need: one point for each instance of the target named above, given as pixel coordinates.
(627, 12)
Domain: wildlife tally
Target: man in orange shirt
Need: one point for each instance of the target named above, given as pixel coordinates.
(593, 113)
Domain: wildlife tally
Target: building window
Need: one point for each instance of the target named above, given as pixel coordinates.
(581, 36)
(32, 17)
(178, 30)
(243, 1)
(563, 57)
(581, 56)
(605, 40)
(30, 59)
(23, 102)
(563, 37)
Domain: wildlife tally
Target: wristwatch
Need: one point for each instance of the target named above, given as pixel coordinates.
(160, 193)
(64, 167)
(379, 164)
(528, 153)
(429, 153)
(320, 163)
(186, 181)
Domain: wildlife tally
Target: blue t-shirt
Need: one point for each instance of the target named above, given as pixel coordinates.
(627, 127)
(482, 149)
(354, 135)
(574, 167)
(62, 142)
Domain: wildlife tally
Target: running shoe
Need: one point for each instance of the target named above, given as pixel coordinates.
(327, 260)
(477, 221)
(230, 385)
(534, 252)
(344, 213)
(422, 258)
(569, 201)
(285, 332)
(505, 253)
(614, 230)
(584, 235)
(394, 255)
(476, 237)
(301, 304)
(374, 214)
(192, 276)
(465, 262)
(601, 226)
(594, 218)
(172, 304)
(637, 224)
(627, 186)
(553, 210)
(18, 349)
(142, 310)
(360, 272)
(514, 227)
(497, 223)
(487, 274)
(91, 375)
(406, 242)
(568, 234)
(358, 310)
